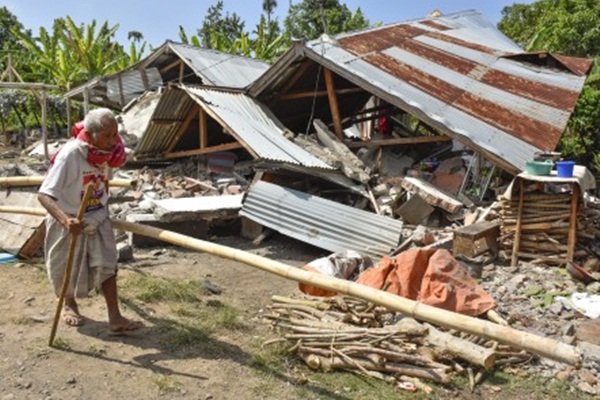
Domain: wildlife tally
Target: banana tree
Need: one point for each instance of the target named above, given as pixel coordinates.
(267, 46)
(97, 52)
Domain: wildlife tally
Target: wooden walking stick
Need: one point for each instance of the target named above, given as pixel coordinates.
(69, 267)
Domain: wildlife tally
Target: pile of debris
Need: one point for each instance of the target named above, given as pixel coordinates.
(346, 333)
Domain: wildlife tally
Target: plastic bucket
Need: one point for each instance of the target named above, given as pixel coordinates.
(564, 169)
(538, 167)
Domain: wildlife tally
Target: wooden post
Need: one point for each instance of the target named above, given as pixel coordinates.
(10, 68)
(333, 104)
(515, 251)
(69, 116)
(181, 70)
(44, 101)
(86, 100)
(572, 238)
(202, 127)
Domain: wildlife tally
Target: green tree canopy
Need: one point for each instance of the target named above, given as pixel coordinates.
(568, 26)
(229, 26)
(309, 19)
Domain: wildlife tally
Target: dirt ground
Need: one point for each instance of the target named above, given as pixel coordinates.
(96, 365)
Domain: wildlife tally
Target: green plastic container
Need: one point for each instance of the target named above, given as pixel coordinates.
(539, 167)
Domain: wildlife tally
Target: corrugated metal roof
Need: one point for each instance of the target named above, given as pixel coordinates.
(244, 117)
(168, 115)
(461, 75)
(212, 67)
(220, 69)
(254, 126)
(321, 222)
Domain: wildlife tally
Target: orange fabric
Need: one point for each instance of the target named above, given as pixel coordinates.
(313, 290)
(433, 277)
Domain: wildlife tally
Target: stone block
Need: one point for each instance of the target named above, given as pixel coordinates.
(415, 210)
(250, 229)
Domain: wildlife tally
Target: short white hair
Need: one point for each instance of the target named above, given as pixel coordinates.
(98, 119)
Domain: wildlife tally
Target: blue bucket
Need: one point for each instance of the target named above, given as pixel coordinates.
(564, 169)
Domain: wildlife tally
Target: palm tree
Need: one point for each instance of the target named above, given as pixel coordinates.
(269, 7)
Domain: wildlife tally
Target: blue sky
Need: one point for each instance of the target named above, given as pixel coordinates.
(159, 20)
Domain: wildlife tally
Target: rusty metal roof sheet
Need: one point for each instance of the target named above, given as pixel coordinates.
(321, 222)
(461, 75)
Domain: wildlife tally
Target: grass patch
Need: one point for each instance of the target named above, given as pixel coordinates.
(534, 387)
(191, 320)
(151, 289)
(166, 384)
(96, 351)
(61, 343)
(269, 356)
(175, 335)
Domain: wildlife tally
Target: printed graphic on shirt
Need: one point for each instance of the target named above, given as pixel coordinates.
(99, 186)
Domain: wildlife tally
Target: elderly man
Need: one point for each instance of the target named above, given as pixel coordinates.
(88, 158)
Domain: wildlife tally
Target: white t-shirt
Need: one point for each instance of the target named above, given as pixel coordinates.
(67, 177)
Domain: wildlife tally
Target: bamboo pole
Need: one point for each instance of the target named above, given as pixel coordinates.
(12, 181)
(535, 344)
(69, 266)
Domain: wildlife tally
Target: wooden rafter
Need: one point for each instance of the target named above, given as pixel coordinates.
(333, 104)
(396, 141)
(170, 66)
(182, 128)
(202, 127)
(206, 150)
(297, 75)
(299, 95)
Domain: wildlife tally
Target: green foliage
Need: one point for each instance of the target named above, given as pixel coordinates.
(71, 53)
(226, 34)
(8, 43)
(311, 18)
(570, 27)
(218, 27)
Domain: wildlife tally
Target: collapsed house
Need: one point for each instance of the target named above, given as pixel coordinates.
(353, 143)
(358, 119)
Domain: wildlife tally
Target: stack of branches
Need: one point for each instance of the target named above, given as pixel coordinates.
(545, 223)
(346, 333)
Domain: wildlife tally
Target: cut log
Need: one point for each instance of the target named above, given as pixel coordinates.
(461, 348)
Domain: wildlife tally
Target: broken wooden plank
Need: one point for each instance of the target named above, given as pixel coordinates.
(431, 194)
(352, 166)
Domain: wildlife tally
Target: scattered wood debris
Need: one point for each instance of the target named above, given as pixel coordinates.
(346, 333)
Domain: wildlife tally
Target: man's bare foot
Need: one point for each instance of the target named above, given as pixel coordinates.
(70, 315)
(124, 326)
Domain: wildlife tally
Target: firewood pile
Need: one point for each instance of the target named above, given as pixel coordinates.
(346, 333)
(545, 224)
